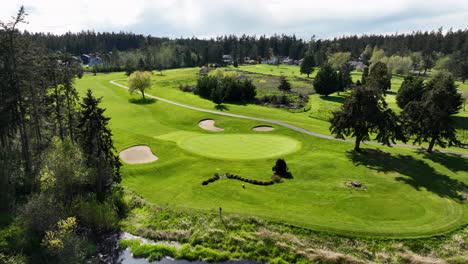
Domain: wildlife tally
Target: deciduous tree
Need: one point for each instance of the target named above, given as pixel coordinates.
(139, 82)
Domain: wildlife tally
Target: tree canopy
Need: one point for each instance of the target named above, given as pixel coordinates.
(307, 65)
(379, 77)
(326, 82)
(365, 112)
(430, 119)
(139, 82)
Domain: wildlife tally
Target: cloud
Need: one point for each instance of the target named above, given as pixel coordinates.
(207, 18)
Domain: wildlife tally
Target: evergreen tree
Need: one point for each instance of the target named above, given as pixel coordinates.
(410, 90)
(218, 94)
(326, 82)
(363, 113)
(96, 141)
(307, 65)
(284, 86)
(431, 118)
(345, 76)
(379, 77)
(365, 74)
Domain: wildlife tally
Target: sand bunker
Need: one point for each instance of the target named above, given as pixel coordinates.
(137, 155)
(208, 124)
(263, 128)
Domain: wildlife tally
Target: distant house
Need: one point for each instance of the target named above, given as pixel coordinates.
(91, 59)
(358, 65)
(85, 58)
(288, 61)
(227, 59)
(272, 61)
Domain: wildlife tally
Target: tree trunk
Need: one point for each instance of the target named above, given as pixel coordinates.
(357, 144)
(143, 93)
(431, 145)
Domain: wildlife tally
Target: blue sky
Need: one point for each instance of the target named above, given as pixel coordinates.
(207, 18)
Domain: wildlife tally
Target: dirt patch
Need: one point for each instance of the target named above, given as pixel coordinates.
(208, 124)
(137, 155)
(263, 128)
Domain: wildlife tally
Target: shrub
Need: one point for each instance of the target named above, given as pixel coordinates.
(186, 252)
(100, 216)
(281, 169)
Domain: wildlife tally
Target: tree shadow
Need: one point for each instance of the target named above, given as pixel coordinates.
(452, 162)
(337, 99)
(221, 107)
(461, 122)
(141, 101)
(415, 172)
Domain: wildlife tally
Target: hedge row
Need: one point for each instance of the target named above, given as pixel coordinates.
(237, 177)
(212, 179)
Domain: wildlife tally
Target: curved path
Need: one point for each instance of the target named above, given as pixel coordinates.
(271, 121)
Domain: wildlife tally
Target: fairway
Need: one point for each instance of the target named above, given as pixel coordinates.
(407, 193)
(240, 146)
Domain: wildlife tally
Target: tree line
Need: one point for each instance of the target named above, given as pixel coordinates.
(59, 172)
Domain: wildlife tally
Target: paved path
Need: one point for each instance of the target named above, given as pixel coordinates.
(271, 121)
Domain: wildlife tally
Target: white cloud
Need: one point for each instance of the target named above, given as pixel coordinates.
(208, 18)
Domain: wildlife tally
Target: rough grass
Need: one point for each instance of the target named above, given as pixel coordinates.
(420, 193)
(214, 238)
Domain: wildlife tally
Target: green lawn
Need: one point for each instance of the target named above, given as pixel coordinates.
(406, 193)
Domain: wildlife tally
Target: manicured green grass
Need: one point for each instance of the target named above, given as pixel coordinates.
(407, 193)
(240, 146)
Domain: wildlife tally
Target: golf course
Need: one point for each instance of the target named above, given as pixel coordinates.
(405, 192)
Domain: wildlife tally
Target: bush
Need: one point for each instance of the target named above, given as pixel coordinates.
(149, 251)
(281, 169)
(96, 215)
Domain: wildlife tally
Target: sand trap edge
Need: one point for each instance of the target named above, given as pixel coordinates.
(127, 155)
(263, 128)
(209, 125)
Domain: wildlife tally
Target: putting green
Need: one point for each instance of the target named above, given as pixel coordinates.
(240, 146)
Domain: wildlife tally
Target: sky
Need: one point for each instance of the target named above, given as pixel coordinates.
(210, 18)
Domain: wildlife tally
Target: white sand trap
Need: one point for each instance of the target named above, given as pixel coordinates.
(208, 124)
(137, 155)
(263, 128)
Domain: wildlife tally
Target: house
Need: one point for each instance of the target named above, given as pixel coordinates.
(91, 59)
(272, 61)
(227, 59)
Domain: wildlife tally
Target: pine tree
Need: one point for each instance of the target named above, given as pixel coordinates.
(430, 119)
(284, 86)
(363, 113)
(410, 90)
(96, 141)
(379, 77)
(326, 82)
(307, 65)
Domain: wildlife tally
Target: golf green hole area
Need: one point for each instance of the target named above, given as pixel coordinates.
(240, 146)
